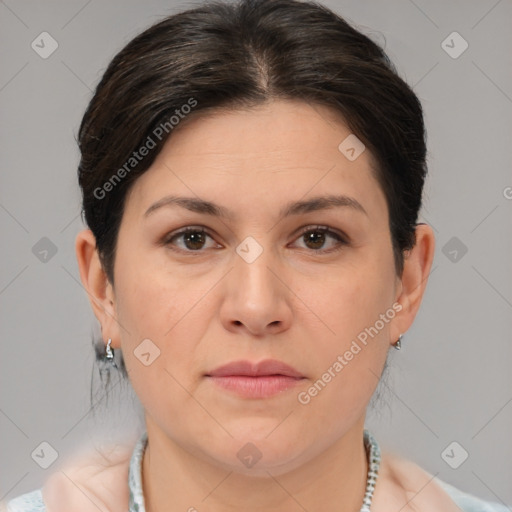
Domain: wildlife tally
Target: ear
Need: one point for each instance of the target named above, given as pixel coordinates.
(98, 287)
(413, 282)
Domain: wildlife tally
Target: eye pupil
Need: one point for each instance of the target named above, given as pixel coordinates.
(315, 237)
(195, 237)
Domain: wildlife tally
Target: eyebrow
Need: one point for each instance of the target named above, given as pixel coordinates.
(197, 205)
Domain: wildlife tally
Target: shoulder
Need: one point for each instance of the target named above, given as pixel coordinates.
(469, 503)
(413, 489)
(92, 481)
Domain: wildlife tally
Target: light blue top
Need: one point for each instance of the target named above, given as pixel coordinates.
(33, 501)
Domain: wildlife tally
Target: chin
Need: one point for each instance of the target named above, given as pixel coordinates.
(252, 451)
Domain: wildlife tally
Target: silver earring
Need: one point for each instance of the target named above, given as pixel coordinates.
(398, 343)
(109, 353)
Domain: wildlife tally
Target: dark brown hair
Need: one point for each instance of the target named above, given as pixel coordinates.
(238, 55)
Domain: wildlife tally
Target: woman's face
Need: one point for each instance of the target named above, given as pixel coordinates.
(254, 287)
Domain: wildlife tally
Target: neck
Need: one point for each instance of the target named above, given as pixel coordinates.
(174, 479)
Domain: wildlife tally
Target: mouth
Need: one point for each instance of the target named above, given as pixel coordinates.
(255, 380)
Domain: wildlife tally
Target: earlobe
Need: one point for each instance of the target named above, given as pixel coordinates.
(417, 267)
(99, 289)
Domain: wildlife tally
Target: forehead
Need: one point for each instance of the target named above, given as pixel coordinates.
(273, 153)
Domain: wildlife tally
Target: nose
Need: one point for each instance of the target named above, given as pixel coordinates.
(257, 299)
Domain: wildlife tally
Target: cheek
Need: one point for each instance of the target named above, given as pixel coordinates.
(357, 297)
(167, 308)
(349, 360)
(357, 308)
(150, 298)
(144, 305)
(158, 341)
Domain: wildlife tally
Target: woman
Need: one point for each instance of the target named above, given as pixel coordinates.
(252, 175)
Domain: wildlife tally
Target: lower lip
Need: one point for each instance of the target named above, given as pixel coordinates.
(256, 387)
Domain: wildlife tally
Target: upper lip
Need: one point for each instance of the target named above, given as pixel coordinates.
(253, 369)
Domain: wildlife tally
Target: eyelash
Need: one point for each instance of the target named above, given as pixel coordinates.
(308, 229)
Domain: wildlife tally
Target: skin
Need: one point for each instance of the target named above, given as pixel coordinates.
(293, 303)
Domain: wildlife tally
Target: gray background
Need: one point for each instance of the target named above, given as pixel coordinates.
(452, 380)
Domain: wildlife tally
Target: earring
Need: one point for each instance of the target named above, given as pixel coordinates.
(109, 353)
(398, 343)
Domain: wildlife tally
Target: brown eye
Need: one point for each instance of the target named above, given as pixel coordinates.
(315, 238)
(194, 239)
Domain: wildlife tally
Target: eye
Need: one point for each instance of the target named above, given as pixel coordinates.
(315, 237)
(193, 238)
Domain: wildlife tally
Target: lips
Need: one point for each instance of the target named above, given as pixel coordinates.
(250, 369)
(255, 380)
